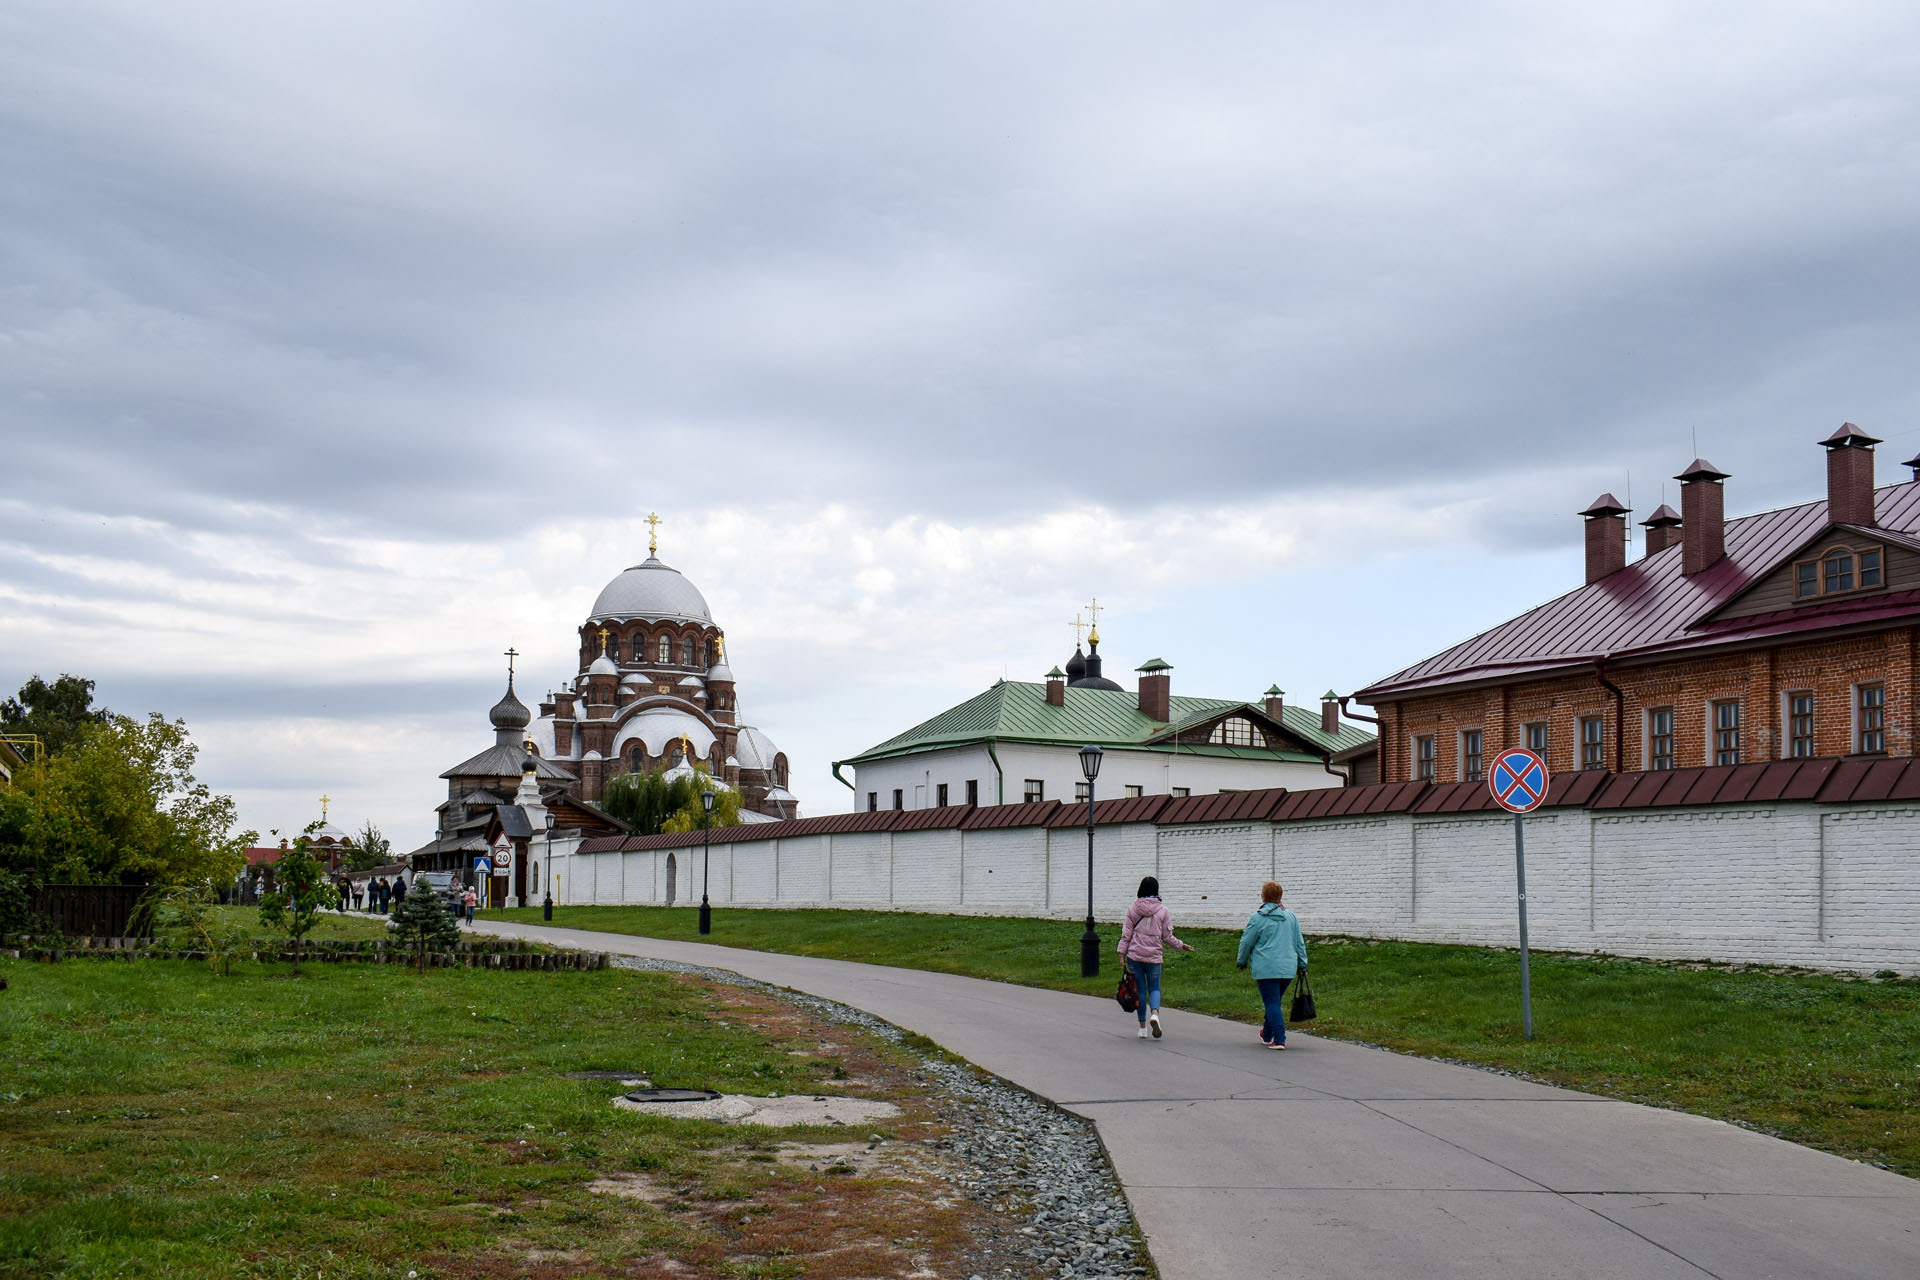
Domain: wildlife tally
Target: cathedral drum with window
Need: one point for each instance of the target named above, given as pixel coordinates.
(654, 691)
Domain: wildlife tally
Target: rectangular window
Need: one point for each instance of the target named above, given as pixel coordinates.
(1537, 739)
(1472, 755)
(1870, 719)
(873, 801)
(1593, 742)
(1800, 725)
(1036, 789)
(899, 799)
(1179, 793)
(1423, 758)
(1807, 583)
(1726, 732)
(973, 791)
(1870, 568)
(1135, 791)
(1082, 791)
(1660, 738)
(940, 795)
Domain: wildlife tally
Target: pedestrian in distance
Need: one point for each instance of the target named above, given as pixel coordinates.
(359, 895)
(1272, 948)
(1143, 939)
(469, 899)
(399, 891)
(386, 894)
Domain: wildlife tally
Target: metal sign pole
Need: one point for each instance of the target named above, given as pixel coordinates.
(1520, 871)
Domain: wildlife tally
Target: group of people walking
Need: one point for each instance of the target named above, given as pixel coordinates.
(378, 894)
(1271, 949)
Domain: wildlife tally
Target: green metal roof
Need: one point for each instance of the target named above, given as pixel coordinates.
(1012, 711)
(1156, 664)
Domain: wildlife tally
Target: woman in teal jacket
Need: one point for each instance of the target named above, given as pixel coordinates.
(1271, 944)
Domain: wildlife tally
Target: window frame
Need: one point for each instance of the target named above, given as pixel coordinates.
(1725, 740)
(1593, 750)
(1179, 793)
(1134, 791)
(1537, 742)
(940, 795)
(663, 649)
(1423, 757)
(1877, 713)
(873, 802)
(1082, 791)
(1033, 790)
(1235, 731)
(1850, 569)
(1473, 755)
(973, 791)
(899, 799)
(1791, 718)
(1654, 736)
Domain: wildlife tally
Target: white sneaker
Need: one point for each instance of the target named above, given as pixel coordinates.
(1153, 1020)
(1143, 1033)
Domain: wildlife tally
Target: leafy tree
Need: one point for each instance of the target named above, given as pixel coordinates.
(301, 891)
(650, 803)
(120, 805)
(58, 713)
(423, 922)
(370, 849)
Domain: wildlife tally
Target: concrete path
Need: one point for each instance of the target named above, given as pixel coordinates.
(1331, 1160)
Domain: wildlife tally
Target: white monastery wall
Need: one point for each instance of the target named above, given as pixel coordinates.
(1825, 886)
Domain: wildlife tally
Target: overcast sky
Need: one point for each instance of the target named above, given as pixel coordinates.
(344, 346)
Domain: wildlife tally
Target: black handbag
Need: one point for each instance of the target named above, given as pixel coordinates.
(1302, 1009)
(1128, 992)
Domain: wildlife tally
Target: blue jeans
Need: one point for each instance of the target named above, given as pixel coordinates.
(1273, 992)
(1148, 976)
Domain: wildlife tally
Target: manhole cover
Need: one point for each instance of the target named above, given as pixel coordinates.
(622, 1076)
(672, 1095)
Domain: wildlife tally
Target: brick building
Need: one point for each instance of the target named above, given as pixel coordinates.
(1787, 634)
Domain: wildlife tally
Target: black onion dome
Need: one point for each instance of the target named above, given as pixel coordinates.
(510, 712)
(1076, 666)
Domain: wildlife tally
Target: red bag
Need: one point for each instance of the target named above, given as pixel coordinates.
(1128, 992)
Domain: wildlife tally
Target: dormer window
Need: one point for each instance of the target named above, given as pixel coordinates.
(1236, 731)
(1838, 571)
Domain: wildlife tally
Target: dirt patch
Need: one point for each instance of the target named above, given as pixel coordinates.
(630, 1186)
(785, 1112)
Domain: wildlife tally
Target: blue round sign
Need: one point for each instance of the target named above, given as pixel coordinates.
(1518, 780)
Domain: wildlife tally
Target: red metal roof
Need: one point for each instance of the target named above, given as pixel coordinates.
(1650, 607)
(1110, 812)
(1228, 806)
(1036, 813)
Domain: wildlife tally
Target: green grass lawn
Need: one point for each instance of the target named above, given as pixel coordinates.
(1828, 1061)
(328, 927)
(364, 1121)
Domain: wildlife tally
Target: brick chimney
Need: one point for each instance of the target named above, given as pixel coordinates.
(1606, 537)
(1329, 712)
(1156, 690)
(1056, 688)
(1663, 529)
(1850, 475)
(1276, 703)
(1703, 511)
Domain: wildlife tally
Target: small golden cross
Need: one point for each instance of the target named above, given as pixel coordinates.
(653, 534)
(1078, 626)
(1093, 628)
(603, 639)
(324, 802)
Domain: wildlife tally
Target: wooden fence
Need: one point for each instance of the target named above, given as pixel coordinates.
(89, 910)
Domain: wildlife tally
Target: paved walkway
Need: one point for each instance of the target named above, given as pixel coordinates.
(1332, 1160)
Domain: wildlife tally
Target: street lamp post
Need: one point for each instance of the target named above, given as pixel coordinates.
(1090, 940)
(546, 877)
(706, 858)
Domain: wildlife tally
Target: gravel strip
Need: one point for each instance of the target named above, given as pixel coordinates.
(1023, 1155)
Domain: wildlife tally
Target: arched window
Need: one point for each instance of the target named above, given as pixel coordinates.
(1839, 570)
(637, 759)
(700, 654)
(686, 651)
(666, 650)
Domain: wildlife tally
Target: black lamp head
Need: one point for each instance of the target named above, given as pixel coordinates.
(1090, 761)
(706, 799)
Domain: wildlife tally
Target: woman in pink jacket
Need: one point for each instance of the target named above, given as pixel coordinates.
(1148, 929)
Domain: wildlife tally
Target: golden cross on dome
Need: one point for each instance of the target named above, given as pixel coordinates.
(653, 533)
(603, 640)
(324, 802)
(1078, 626)
(1093, 628)
(686, 747)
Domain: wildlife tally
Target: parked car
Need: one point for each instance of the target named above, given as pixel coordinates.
(442, 882)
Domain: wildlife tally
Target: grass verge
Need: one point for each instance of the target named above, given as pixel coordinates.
(364, 1121)
(1832, 1062)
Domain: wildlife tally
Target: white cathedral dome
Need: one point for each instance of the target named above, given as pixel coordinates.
(653, 591)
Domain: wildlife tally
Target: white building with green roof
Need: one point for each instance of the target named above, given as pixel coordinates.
(1018, 742)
